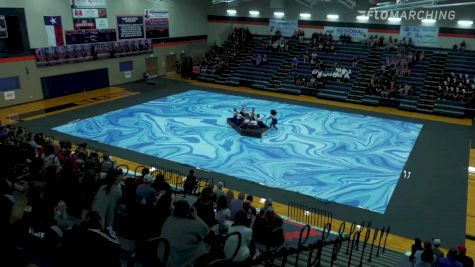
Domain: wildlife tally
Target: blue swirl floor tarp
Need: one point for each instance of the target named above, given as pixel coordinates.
(347, 158)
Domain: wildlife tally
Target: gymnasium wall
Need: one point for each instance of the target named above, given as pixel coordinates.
(185, 19)
(450, 32)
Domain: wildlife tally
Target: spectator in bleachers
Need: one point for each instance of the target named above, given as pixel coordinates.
(218, 191)
(450, 261)
(90, 244)
(145, 193)
(258, 60)
(105, 202)
(205, 207)
(414, 248)
(185, 231)
(295, 63)
(237, 204)
(456, 88)
(355, 61)
(190, 183)
(229, 197)
(426, 257)
(244, 255)
(463, 45)
(463, 258)
(267, 231)
(223, 214)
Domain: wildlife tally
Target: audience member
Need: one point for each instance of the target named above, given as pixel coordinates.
(191, 183)
(186, 232)
(463, 258)
(107, 197)
(414, 248)
(145, 193)
(218, 191)
(237, 204)
(204, 206)
(436, 248)
(267, 231)
(450, 261)
(426, 257)
(244, 255)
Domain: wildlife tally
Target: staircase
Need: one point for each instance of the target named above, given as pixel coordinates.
(428, 94)
(296, 48)
(373, 62)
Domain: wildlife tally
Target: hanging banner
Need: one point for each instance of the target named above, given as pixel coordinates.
(90, 3)
(89, 13)
(3, 27)
(421, 35)
(336, 32)
(285, 27)
(84, 24)
(54, 30)
(90, 36)
(130, 27)
(156, 23)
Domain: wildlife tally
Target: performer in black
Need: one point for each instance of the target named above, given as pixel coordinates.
(273, 117)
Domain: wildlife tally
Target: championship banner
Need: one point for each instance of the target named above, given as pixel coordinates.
(3, 27)
(358, 33)
(130, 27)
(84, 24)
(79, 13)
(90, 3)
(54, 30)
(156, 23)
(421, 35)
(285, 27)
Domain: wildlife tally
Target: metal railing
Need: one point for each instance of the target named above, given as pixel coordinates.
(307, 215)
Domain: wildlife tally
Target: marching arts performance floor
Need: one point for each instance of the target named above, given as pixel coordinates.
(347, 158)
(361, 150)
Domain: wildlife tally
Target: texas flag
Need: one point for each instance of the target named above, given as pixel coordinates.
(54, 30)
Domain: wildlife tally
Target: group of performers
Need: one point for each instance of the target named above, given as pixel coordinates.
(252, 120)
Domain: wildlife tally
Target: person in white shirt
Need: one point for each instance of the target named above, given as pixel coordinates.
(243, 256)
(314, 72)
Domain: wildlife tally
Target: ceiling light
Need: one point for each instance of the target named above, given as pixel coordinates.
(428, 21)
(254, 12)
(305, 15)
(362, 17)
(465, 22)
(279, 14)
(394, 19)
(231, 11)
(332, 16)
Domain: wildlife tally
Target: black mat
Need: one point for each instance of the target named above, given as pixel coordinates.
(431, 203)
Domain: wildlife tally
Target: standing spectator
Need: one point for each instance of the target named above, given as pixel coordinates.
(463, 45)
(223, 214)
(186, 232)
(218, 191)
(105, 201)
(237, 204)
(230, 197)
(205, 207)
(450, 261)
(464, 259)
(426, 257)
(145, 193)
(414, 248)
(190, 183)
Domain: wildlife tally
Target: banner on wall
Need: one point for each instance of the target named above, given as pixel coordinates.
(102, 23)
(3, 27)
(90, 3)
(90, 36)
(86, 52)
(9, 95)
(286, 27)
(359, 33)
(421, 35)
(89, 13)
(156, 23)
(54, 30)
(130, 27)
